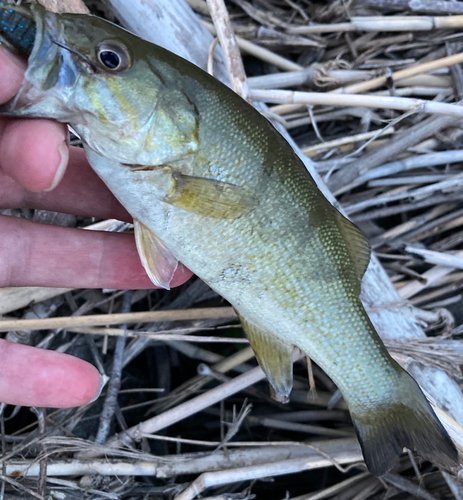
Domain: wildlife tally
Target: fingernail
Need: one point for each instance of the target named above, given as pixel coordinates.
(63, 150)
(103, 381)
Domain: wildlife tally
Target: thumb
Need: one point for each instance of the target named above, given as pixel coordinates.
(33, 152)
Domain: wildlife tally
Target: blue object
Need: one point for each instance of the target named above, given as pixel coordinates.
(17, 30)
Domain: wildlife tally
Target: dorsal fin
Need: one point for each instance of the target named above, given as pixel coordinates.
(357, 245)
(274, 357)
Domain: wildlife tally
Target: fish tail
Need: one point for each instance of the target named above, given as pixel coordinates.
(407, 421)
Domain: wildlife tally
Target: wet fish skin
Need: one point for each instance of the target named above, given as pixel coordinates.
(210, 183)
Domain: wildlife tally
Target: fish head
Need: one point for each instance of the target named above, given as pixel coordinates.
(91, 74)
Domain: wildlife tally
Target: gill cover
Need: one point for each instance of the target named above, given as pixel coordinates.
(116, 90)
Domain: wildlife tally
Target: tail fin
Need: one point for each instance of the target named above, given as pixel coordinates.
(410, 422)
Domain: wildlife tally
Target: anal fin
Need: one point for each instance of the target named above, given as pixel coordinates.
(274, 357)
(159, 262)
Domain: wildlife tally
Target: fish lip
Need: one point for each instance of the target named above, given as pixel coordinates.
(39, 15)
(51, 70)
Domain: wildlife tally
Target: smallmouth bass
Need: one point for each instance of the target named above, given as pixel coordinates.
(210, 183)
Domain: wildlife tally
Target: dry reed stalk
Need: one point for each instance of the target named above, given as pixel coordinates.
(171, 337)
(422, 7)
(340, 182)
(139, 463)
(437, 258)
(12, 299)
(261, 53)
(116, 319)
(74, 6)
(199, 6)
(313, 76)
(311, 150)
(368, 101)
(406, 23)
(210, 479)
(229, 45)
(455, 183)
(419, 69)
(430, 277)
(383, 23)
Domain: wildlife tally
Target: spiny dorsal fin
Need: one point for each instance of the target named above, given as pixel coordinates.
(357, 245)
(274, 357)
(159, 262)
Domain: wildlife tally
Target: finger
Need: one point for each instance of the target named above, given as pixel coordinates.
(33, 152)
(40, 255)
(81, 192)
(12, 75)
(36, 377)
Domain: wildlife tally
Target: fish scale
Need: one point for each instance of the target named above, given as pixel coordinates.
(306, 284)
(295, 297)
(210, 183)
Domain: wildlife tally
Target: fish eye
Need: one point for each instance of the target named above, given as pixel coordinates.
(114, 56)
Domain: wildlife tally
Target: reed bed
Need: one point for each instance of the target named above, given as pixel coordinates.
(370, 92)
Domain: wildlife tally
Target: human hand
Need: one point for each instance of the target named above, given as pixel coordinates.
(39, 170)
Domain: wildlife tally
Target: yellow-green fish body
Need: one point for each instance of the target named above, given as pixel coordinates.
(212, 184)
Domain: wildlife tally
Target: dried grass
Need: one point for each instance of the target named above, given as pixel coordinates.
(398, 175)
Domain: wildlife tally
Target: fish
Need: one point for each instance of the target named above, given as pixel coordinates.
(211, 184)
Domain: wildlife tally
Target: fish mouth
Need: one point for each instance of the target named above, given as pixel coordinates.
(36, 35)
(23, 27)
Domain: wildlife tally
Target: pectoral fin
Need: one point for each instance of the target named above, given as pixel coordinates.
(209, 197)
(274, 357)
(158, 261)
